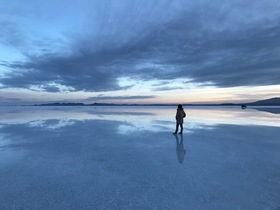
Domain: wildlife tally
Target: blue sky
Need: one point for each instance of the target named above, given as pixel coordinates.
(156, 51)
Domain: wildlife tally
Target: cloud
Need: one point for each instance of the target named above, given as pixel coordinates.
(6, 100)
(222, 44)
(11, 33)
(105, 98)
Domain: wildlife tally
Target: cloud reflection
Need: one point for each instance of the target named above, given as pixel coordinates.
(51, 124)
(136, 119)
(120, 152)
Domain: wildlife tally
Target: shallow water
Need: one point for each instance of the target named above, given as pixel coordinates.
(127, 158)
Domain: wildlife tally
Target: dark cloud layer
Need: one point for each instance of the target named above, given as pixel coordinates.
(220, 43)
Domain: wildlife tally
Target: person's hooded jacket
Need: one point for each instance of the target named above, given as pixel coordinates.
(180, 116)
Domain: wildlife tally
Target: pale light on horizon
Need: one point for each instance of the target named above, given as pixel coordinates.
(198, 95)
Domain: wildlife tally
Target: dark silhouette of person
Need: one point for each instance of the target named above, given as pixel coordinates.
(180, 115)
(180, 150)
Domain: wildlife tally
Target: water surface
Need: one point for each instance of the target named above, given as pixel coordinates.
(127, 158)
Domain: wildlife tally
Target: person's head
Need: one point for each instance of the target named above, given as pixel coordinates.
(180, 106)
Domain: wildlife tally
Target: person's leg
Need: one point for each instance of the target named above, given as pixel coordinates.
(177, 126)
(181, 126)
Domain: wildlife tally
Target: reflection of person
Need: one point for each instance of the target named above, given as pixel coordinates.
(180, 118)
(180, 149)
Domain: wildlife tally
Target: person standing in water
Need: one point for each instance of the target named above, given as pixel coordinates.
(180, 115)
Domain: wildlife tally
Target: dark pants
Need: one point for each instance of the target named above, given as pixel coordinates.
(177, 126)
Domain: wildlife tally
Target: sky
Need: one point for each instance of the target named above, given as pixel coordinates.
(139, 51)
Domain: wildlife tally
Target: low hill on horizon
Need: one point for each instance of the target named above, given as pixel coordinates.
(266, 102)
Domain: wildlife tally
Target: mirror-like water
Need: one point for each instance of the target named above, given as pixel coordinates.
(127, 158)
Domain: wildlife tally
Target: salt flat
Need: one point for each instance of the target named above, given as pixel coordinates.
(127, 158)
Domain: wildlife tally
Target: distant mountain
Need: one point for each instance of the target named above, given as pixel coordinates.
(61, 104)
(266, 102)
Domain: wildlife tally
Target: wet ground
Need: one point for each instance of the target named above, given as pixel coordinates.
(128, 158)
